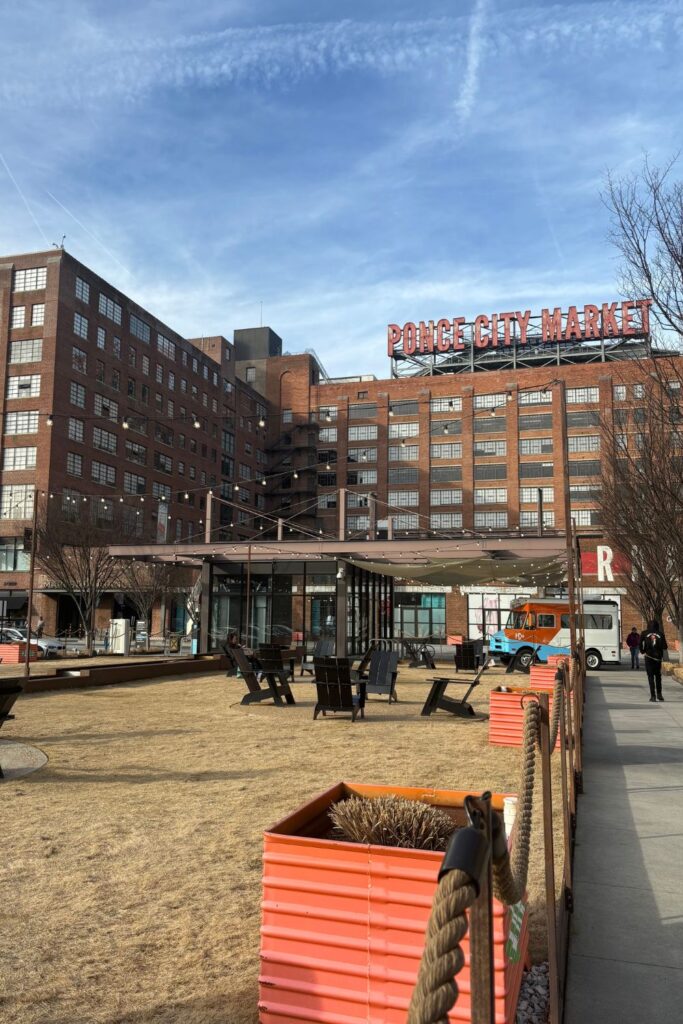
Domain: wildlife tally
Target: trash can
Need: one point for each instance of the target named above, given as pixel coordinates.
(174, 643)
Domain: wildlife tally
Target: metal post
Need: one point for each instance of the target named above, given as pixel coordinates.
(248, 596)
(372, 509)
(555, 1000)
(207, 525)
(341, 613)
(205, 608)
(481, 931)
(539, 505)
(280, 528)
(31, 577)
(390, 527)
(342, 513)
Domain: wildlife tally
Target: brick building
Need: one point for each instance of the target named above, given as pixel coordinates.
(101, 400)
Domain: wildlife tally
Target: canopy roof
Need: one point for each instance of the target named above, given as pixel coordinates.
(470, 571)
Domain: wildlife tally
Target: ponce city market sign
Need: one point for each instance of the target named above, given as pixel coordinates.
(500, 330)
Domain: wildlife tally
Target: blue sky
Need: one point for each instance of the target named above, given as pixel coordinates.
(346, 164)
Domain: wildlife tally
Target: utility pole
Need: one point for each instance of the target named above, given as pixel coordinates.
(31, 576)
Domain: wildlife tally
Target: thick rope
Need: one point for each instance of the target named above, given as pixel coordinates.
(436, 989)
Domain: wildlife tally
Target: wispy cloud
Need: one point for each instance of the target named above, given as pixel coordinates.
(475, 48)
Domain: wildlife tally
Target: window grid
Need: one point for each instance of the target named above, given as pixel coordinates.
(619, 392)
(488, 471)
(103, 473)
(485, 448)
(406, 521)
(407, 453)
(327, 434)
(535, 469)
(77, 394)
(584, 467)
(404, 499)
(75, 429)
(367, 432)
(25, 386)
(448, 450)
(107, 307)
(139, 328)
(362, 476)
(19, 458)
(18, 317)
(16, 501)
(583, 396)
(134, 484)
(536, 421)
(81, 326)
(101, 338)
(74, 464)
(584, 443)
(529, 495)
(31, 280)
(21, 422)
(531, 518)
(497, 520)
(451, 403)
(490, 401)
(166, 346)
(586, 516)
(38, 314)
(490, 495)
(104, 440)
(404, 429)
(446, 496)
(30, 351)
(404, 475)
(82, 290)
(536, 446)
(445, 521)
(490, 424)
(106, 407)
(535, 397)
(362, 411)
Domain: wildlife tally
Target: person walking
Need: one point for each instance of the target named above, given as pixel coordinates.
(653, 645)
(40, 626)
(633, 644)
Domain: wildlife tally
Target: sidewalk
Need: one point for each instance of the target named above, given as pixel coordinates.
(626, 948)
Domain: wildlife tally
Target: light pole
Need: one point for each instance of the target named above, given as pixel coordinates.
(31, 576)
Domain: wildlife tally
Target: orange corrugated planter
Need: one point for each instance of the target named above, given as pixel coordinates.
(15, 654)
(557, 659)
(542, 676)
(343, 924)
(506, 714)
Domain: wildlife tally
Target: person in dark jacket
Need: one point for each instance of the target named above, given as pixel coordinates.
(652, 646)
(633, 644)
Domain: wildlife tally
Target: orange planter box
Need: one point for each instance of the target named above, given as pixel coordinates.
(15, 654)
(506, 714)
(343, 924)
(557, 659)
(542, 677)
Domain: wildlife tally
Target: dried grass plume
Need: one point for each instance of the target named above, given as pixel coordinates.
(392, 821)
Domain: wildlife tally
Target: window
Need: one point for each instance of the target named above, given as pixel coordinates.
(535, 469)
(26, 351)
(16, 501)
(450, 403)
(638, 391)
(74, 464)
(286, 415)
(401, 430)
(403, 476)
(583, 419)
(356, 500)
(492, 520)
(327, 434)
(99, 371)
(362, 455)
(250, 375)
(77, 394)
(131, 387)
(530, 494)
(482, 448)
(585, 492)
(546, 621)
(405, 453)
(531, 518)
(327, 501)
(365, 433)
(195, 365)
(79, 359)
(134, 484)
(408, 408)
(136, 452)
(82, 290)
(445, 427)
(407, 521)
(106, 407)
(104, 440)
(327, 479)
(81, 326)
(445, 521)
(362, 394)
(327, 455)
(362, 476)
(144, 394)
(490, 424)
(166, 347)
(449, 450)
(491, 472)
(586, 516)
(536, 421)
(115, 380)
(139, 328)
(18, 317)
(584, 443)
(19, 458)
(162, 491)
(489, 401)
(362, 411)
(244, 472)
(163, 434)
(490, 495)
(13, 558)
(101, 338)
(535, 397)
(584, 467)
(171, 386)
(357, 524)
(446, 496)
(21, 422)
(159, 373)
(583, 396)
(170, 409)
(38, 314)
(619, 392)
(23, 387)
(117, 347)
(445, 474)
(75, 429)
(327, 412)
(103, 473)
(404, 499)
(536, 446)
(30, 280)
(163, 463)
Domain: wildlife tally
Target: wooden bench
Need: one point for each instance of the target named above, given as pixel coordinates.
(438, 701)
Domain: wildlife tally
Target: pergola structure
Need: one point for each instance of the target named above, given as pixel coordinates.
(354, 577)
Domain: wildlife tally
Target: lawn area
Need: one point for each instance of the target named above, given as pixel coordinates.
(132, 861)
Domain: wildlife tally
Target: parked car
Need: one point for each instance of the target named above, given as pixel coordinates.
(50, 646)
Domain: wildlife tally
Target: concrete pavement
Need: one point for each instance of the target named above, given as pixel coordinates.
(626, 948)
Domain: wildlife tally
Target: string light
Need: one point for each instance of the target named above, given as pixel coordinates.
(196, 424)
(125, 423)
(50, 419)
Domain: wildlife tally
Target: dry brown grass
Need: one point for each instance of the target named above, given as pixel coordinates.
(131, 863)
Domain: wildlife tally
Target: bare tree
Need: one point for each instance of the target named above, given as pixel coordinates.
(647, 229)
(145, 583)
(72, 550)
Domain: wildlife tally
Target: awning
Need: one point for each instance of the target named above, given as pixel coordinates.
(479, 570)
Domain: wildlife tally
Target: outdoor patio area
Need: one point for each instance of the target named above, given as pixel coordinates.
(132, 861)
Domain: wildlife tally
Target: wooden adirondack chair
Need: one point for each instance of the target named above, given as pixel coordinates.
(275, 689)
(438, 701)
(323, 648)
(8, 695)
(335, 688)
(383, 672)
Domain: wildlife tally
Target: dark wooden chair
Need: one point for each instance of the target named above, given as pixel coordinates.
(323, 648)
(335, 688)
(383, 673)
(276, 686)
(275, 655)
(8, 695)
(469, 655)
(364, 663)
(519, 663)
(438, 701)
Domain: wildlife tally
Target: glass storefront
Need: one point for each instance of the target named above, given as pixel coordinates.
(420, 614)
